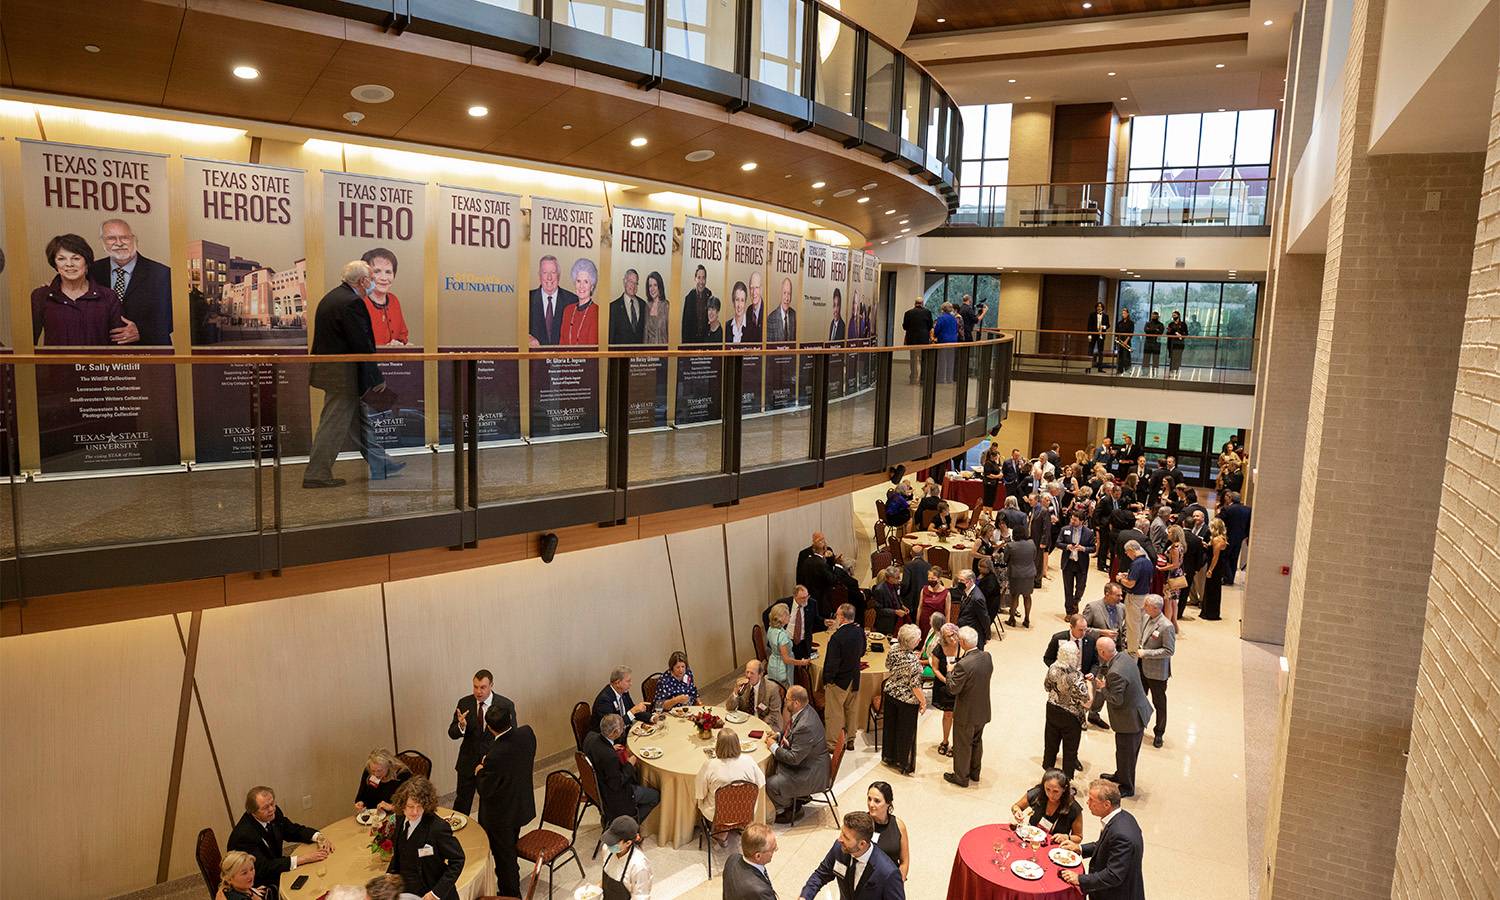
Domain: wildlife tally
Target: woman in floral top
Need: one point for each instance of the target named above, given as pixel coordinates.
(1069, 695)
(677, 685)
(903, 700)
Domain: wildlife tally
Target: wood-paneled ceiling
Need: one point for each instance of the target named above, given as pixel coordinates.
(965, 15)
(179, 56)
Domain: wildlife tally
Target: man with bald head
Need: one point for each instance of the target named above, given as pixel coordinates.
(755, 312)
(782, 327)
(1129, 712)
(757, 695)
(801, 754)
(815, 571)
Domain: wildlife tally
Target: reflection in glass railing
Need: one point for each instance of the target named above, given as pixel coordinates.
(1225, 201)
(777, 57)
(623, 20)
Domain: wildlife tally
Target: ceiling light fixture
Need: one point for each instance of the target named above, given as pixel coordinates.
(699, 156)
(890, 212)
(371, 93)
(1124, 98)
(1267, 23)
(1218, 65)
(903, 221)
(567, 126)
(637, 142)
(92, 48)
(249, 73)
(819, 185)
(941, 20)
(1010, 80)
(863, 200)
(844, 193)
(1111, 74)
(1221, 109)
(748, 167)
(1088, 6)
(905, 230)
(869, 186)
(479, 112)
(1027, 97)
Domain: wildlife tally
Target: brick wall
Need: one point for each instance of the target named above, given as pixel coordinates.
(1455, 737)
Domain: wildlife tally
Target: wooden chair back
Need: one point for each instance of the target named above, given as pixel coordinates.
(417, 761)
(561, 799)
(648, 688)
(734, 806)
(209, 858)
(758, 639)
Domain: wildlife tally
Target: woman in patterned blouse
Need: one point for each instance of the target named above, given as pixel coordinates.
(677, 685)
(903, 699)
(1069, 695)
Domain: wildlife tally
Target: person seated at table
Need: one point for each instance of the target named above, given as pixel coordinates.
(898, 505)
(677, 685)
(932, 495)
(262, 831)
(886, 597)
(615, 698)
(890, 832)
(383, 774)
(619, 785)
(627, 872)
(237, 878)
(727, 766)
(801, 755)
(1051, 806)
(426, 855)
(756, 695)
(942, 523)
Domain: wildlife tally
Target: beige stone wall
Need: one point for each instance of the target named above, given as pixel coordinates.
(1020, 300)
(1455, 738)
(1030, 156)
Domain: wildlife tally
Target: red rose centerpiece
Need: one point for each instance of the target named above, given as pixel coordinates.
(706, 722)
(383, 837)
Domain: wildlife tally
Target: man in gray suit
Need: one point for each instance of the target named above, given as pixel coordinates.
(745, 876)
(1158, 643)
(1129, 711)
(757, 695)
(801, 754)
(970, 684)
(1107, 616)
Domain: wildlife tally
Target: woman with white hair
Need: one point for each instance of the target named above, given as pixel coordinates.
(903, 699)
(580, 325)
(1069, 695)
(378, 783)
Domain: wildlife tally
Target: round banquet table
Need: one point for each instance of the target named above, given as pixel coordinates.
(976, 877)
(675, 774)
(959, 558)
(871, 677)
(966, 490)
(351, 862)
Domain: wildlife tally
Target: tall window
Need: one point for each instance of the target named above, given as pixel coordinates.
(623, 20)
(1200, 168)
(778, 59)
(950, 287)
(986, 158)
(1212, 309)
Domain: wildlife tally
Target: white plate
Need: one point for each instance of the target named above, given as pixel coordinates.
(736, 717)
(680, 712)
(1031, 833)
(368, 817)
(747, 746)
(650, 753)
(1064, 857)
(641, 729)
(1025, 868)
(875, 635)
(458, 821)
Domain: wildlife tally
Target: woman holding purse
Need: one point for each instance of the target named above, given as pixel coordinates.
(1171, 563)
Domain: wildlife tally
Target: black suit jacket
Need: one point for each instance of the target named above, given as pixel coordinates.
(505, 794)
(148, 297)
(476, 738)
(620, 331)
(616, 780)
(1090, 656)
(1086, 541)
(342, 325)
(538, 320)
(917, 325)
(695, 317)
(1115, 861)
(265, 844)
(743, 881)
(604, 704)
(842, 655)
(436, 872)
(836, 330)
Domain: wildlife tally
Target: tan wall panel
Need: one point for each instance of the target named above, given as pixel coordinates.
(295, 581)
(789, 531)
(702, 586)
(200, 801)
(296, 694)
(836, 518)
(87, 721)
(437, 560)
(749, 578)
(120, 604)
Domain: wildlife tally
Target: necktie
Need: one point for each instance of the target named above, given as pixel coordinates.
(548, 317)
(1114, 615)
(797, 627)
(849, 877)
(624, 710)
(119, 282)
(630, 306)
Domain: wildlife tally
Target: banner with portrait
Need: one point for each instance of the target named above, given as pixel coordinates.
(563, 312)
(781, 321)
(247, 289)
(748, 252)
(103, 214)
(704, 271)
(479, 264)
(817, 317)
(639, 317)
(383, 221)
(864, 312)
(841, 366)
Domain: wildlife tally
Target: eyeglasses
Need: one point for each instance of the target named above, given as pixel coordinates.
(118, 239)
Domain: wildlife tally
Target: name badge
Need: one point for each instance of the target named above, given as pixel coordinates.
(425, 851)
(838, 869)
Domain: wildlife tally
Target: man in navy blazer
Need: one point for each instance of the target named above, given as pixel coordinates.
(1115, 858)
(1236, 516)
(144, 286)
(548, 301)
(615, 699)
(862, 870)
(1076, 540)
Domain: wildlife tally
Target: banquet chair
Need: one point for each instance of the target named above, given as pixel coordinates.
(536, 874)
(879, 510)
(648, 688)
(875, 718)
(209, 859)
(591, 796)
(758, 639)
(826, 795)
(882, 534)
(869, 618)
(559, 808)
(803, 677)
(417, 761)
(880, 560)
(581, 718)
(734, 811)
(939, 556)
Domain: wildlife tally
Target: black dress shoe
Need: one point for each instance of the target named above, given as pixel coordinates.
(323, 482)
(1110, 776)
(1098, 721)
(849, 745)
(785, 817)
(954, 779)
(1157, 742)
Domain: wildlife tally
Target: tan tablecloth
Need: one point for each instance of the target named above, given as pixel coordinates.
(957, 559)
(675, 774)
(870, 679)
(351, 862)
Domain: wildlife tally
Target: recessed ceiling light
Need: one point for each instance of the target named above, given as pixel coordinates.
(1281, 100)
(748, 167)
(1124, 270)
(1088, 6)
(844, 193)
(890, 212)
(1221, 109)
(92, 48)
(1218, 65)
(371, 93)
(819, 185)
(1124, 98)
(941, 21)
(1111, 74)
(905, 230)
(863, 200)
(903, 221)
(1011, 80)
(637, 142)
(1135, 276)
(1027, 97)
(249, 73)
(1267, 23)
(699, 156)
(869, 186)
(479, 112)
(567, 126)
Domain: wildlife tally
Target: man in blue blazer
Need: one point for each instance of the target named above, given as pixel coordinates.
(862, 870)
(1115, 858)
(614, 698)
(144, 286)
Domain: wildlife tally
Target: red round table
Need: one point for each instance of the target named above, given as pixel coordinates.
(976, 877)
(965, 490)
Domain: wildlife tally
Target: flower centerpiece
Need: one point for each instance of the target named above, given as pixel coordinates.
(706, 722)
(383, 837)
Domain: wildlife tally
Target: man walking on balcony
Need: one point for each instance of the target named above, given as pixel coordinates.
(917, 323)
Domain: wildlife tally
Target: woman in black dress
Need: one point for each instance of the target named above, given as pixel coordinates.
(903, 699)
(890, 832)
(237, 877)
(1052, 807)
(993, 476)
(383, 774)
(1218, 567)
(941, 659)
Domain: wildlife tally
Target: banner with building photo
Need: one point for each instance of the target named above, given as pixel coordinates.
(383, 221)
(110, 206)
(781, 320)
(817, 318)
(479, 265)
(748, 251)
(639, 317)
(704, 270)
(563, 311)
(247, 289)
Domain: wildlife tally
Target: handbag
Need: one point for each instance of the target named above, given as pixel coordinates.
(1177, 583)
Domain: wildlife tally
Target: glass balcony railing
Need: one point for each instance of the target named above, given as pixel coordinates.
(1180, 359)
(1224, 201)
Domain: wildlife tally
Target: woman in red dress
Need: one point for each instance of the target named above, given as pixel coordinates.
(580, 325)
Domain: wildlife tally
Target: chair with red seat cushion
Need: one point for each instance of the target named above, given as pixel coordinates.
(559, 808)
(734, 810)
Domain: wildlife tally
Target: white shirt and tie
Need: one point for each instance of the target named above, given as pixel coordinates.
(480, 708)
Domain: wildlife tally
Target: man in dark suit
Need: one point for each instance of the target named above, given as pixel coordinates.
(973, 609)
(263, 829)
(1013, 471)
(1195, 560)
(969, 683)
(815, 572)
(426, 855)
(695, 309)
(619, 784)
(836, 327)
(842, 655)
(801, 754)
(143, 285)
(506, 800)
(913, 579)
(1236, 516)
(862, 870)
(1126, 455)
(1079, 633)
(916, 328)
(342, 325)
(782, 325)
(1104, 513)
(627, 314)
(745, 876)
(1077, 543)
(548, 301)
(468, 726)
(1129, 712)
(755, 313)
(615, 698)
(1115, 858)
